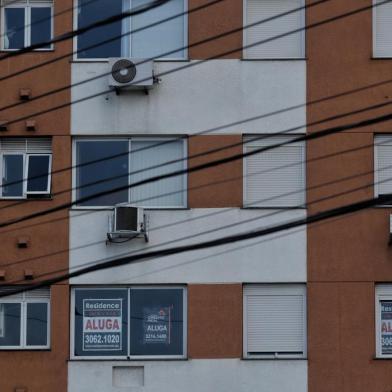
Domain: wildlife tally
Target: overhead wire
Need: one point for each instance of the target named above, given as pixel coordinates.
(350, 13)
(276, 211)
(229, 239)
(192, 64)
(311, 136)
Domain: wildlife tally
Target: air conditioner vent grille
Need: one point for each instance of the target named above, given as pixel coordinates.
(124, 71)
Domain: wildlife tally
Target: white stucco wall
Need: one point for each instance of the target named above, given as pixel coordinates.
(207, 375)
(199, 98)
(279, 257)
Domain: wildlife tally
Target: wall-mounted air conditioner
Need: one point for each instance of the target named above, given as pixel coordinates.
(131, 74)
(127, 222)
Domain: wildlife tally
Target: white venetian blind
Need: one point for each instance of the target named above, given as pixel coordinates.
(276, 177)
(383, 169)
(289, 46)
(274, 320)
(42, 293)
(382, 29)
(26, 145)
(169, 192)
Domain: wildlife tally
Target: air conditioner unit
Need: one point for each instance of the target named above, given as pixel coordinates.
(131, 74)
(127, 222)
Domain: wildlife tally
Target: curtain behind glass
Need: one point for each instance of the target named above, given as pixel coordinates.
(160, 39)
(152, 194)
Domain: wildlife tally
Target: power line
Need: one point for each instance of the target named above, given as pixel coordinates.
(335, 212)
(254, 138)
(277, 212)
(322, 22)
(317, 24)
(272, 38)
(313, 135)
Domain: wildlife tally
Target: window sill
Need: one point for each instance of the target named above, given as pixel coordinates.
(87, 208)
(26, 199)
(273, 208)
(382, 358)
(276, 59)
(274, 359)
(76, 61)
(127, 360)
(30, 52)
(46, 349)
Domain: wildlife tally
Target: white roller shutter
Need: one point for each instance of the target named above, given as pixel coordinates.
(274, 178)
(383, 165)
(275, 320)
(382, 29)
(289, 46)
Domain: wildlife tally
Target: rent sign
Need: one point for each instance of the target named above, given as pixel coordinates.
(156, 325)
(386, 327)
(102, 324)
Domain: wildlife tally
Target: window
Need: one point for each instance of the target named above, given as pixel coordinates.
(129, 322)
(116, 40)
(24, 320)
(288, 46)
(383, 165)
(25, 23)
(106, 164)
(382, 29)
(275, 321)
(276, 177)
(384, 321)
(26, 167)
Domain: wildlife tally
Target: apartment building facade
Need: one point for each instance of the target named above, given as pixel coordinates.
(35, 149)
(190, 321)
(274, 313)
(349, 270)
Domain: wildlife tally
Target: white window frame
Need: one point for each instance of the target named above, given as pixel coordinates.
(27, 6)
(2, 155)
(23, 327)
(376, 170)
(26, 156)
(245, 31)
(129, 140)
(270, 137)
(47, 191)
(376, 8)
(132, 357)
(383, 292)
(283, 288)
(127, 37)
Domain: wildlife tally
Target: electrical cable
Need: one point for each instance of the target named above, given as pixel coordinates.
(230, 239)
(311, 136)
(188, 158)
(316, 3)
(285, 33)
(317, 24)
(277, 211)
